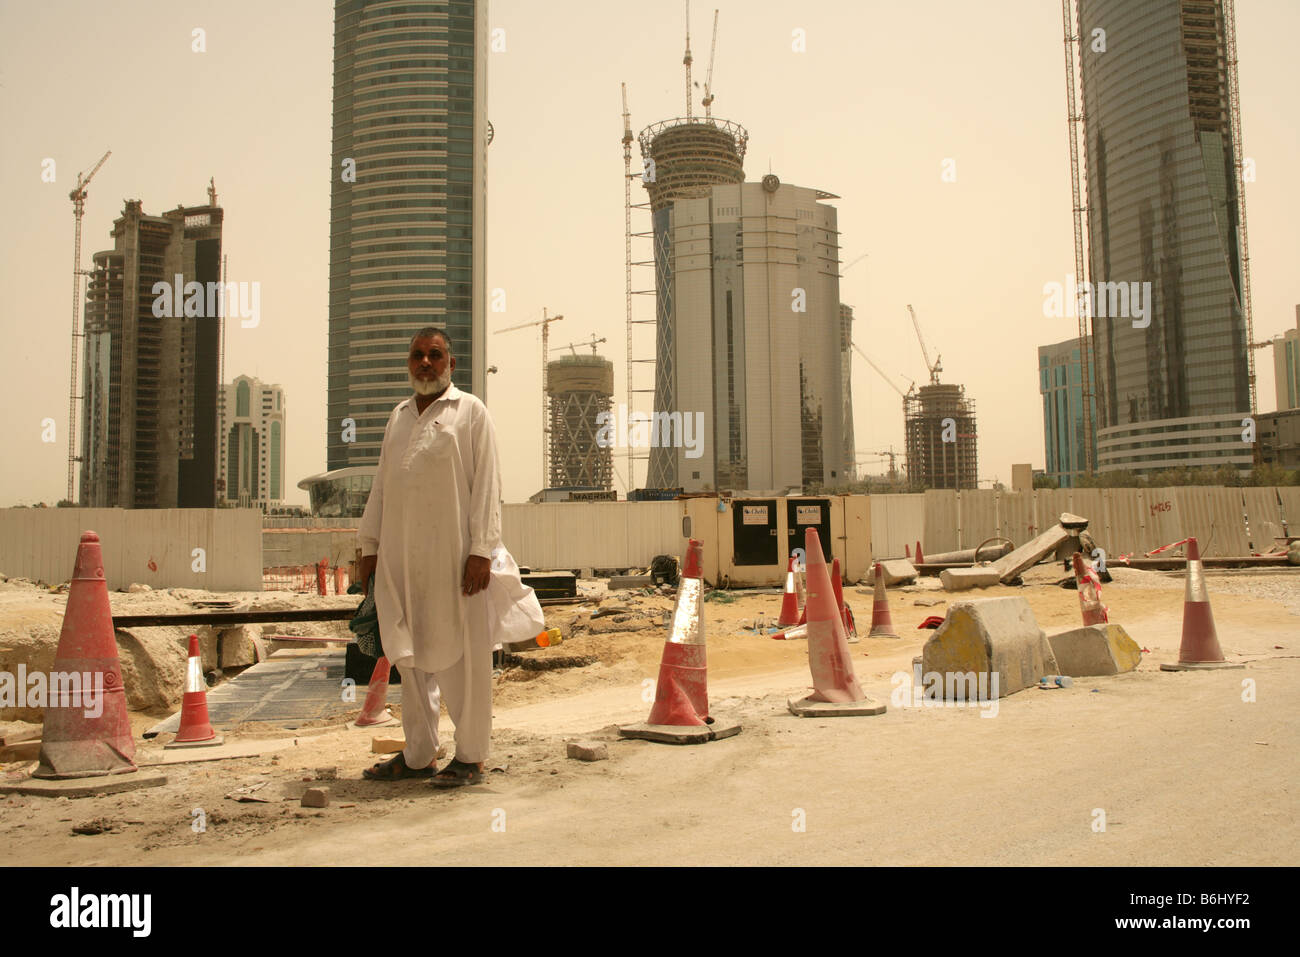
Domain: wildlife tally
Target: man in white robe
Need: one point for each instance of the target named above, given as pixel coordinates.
(430, 524)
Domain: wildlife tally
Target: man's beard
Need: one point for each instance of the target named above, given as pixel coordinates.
(430, 386)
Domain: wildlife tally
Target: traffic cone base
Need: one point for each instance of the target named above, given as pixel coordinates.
(809, 707)
(676, 734)
(103, 782)
(1199, 665)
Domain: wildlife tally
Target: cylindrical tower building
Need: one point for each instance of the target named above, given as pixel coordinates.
(683, 158)
(580, 388)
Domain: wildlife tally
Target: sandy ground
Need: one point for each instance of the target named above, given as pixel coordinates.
(1179, 768)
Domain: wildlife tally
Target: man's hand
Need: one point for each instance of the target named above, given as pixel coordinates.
(365, 569)
(477, 572)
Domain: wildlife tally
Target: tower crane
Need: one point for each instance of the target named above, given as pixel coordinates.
(78, 197)
(707, 102)
(545, 323)
(937, 367)
(686, 60)
(570, 345)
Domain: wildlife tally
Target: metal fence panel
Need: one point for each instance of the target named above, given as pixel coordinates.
(942, 521)
(897, 521)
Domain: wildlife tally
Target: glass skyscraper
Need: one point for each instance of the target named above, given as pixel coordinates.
(1172, 385)
(1060, 380)
(407, 205)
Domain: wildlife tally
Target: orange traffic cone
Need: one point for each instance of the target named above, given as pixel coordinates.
(1094, 612)
(882, 623)
(375, 711)
(87, 732)
(790, 600)
(1200, 645)
(835, 687)
(846, 616)
(920, 559)
(791, 634)
(196, 730)
(680, 714)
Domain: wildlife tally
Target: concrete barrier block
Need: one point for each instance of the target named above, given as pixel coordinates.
(1095, 650)
(987, 635)
(897, 571)
(961, 579)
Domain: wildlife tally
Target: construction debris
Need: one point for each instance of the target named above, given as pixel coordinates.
(966, 556)
(1011, 565)
(587, 751)
(897, 571)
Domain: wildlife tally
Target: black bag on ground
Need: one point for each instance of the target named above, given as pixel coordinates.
(663, 570)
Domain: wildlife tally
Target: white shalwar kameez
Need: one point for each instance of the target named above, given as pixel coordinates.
(434, 502)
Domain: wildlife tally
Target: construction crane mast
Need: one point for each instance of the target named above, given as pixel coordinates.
(686, 60)
(707, 102)
(545, 323)
(937, 366)
(1074, 117)
(78, 197)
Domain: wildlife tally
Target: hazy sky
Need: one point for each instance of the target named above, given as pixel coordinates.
(884, 93)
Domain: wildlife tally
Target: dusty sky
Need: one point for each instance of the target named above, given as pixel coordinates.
(883, 94)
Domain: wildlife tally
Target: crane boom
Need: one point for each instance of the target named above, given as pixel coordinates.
(880, 371)
(708, 77)
(933, 368)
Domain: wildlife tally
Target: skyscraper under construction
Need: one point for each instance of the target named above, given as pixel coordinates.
(149, 419)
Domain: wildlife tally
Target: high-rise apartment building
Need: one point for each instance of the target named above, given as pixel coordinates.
(1170, 368)
(749, 286)
(149, 419)
(407, 205)
(251, 469)
(1060, 380)
(1286, 367)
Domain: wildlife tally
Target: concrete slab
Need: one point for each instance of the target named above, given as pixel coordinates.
(671, 734)
(984, 636)
(962, 579)
(896, 571)
(808, 708)
(85, 787)
(1032, 552)
(235, 749)
(1095, 650)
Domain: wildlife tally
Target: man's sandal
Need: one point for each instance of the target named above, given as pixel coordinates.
(395, 769)
(457, 774)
